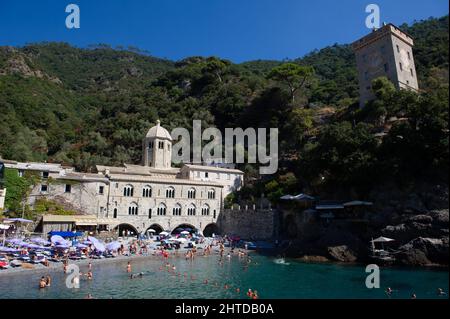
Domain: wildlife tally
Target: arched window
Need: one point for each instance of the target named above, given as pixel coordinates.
(191, 210)
(133, 209)
(191, 193)
(205, 210)
(211, 194)
(115, 213)
(128, 191)
(147, 191)
(161, 211)
(177, 210)
(170, 192)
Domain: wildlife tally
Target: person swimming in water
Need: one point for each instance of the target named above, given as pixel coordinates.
(441, 292)
(129, 267)
(42, 283)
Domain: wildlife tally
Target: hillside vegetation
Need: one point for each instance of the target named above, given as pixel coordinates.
(92, 106)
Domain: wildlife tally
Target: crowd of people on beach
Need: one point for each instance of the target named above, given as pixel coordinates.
(138, 247)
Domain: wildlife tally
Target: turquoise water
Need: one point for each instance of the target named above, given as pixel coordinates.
(271, 280)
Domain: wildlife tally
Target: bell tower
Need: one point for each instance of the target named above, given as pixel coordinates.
(157, 148)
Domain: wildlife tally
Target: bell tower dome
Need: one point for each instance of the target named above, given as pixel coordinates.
(157, 147)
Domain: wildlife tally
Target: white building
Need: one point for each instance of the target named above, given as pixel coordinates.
(138, 197)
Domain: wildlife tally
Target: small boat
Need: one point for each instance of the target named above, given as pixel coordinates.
(4, 265)
(15, 263)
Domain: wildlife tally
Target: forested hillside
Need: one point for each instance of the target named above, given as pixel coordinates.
(92, 106)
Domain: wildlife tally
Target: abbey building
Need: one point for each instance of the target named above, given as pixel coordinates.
(139, 197)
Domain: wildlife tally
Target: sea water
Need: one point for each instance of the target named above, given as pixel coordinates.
(205, 277)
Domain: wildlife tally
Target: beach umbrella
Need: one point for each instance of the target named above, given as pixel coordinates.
(87, 242)
(99, 246)
(152, 230)
(4, 227)
(56, 239)
(64, 246)
(181, 240)
(113, 245)
(164, 233)
(14, 241)
(382, 240)
(7, 249)
(39, 240)
(34, 246)
(17, 220)
(184, 232)
(80, 245)
(93, 239)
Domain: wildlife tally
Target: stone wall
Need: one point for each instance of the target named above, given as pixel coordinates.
(248, 223)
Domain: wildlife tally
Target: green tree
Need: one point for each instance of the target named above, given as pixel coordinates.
(293, 75)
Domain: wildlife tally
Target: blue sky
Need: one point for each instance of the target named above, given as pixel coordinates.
(239, 30)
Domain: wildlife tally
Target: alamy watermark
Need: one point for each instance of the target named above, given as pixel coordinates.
(373, 279)
(241, 146)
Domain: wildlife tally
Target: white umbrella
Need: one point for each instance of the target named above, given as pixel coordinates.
(181, 240)
(184, 232)
(382, 240)
(2, 226)
(152, 230)
(164, 233)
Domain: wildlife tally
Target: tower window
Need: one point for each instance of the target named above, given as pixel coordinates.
(128, 191)
(147, 191)
(44, 174)
(211, 194)
(398, 49)
(170, 192)
(150, 145)
(68, 188)
(44, 188)
(101, 189)
(115, 213)
(177, 210)
(161, 145)
(409, 56)
(133, 209)
(161, 210)
(412, 72)
(191, 193)
(191, 210)
(149, 213)
(401, 66)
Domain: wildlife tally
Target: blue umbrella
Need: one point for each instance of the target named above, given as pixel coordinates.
(41, 241)
(99, 246)
(113, 245)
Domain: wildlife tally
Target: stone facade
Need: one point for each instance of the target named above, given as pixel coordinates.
(140, 196)
(385, 52)
(248, 223)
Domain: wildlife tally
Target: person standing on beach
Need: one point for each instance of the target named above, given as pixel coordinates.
(90, 266)
(48, 281)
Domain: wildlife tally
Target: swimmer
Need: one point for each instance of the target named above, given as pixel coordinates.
(90, 266)
(255, 295)
(249, 293)
(238, 290)
(413, 296)
(389, 291)
(42, 282)
(441, 292)
(48, 281)
(226, 286)
(89, 275)
(206, 281)
(89, 296)
(129, 267)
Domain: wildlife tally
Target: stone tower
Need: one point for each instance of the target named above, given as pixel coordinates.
(385, 52)
(157, 148)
